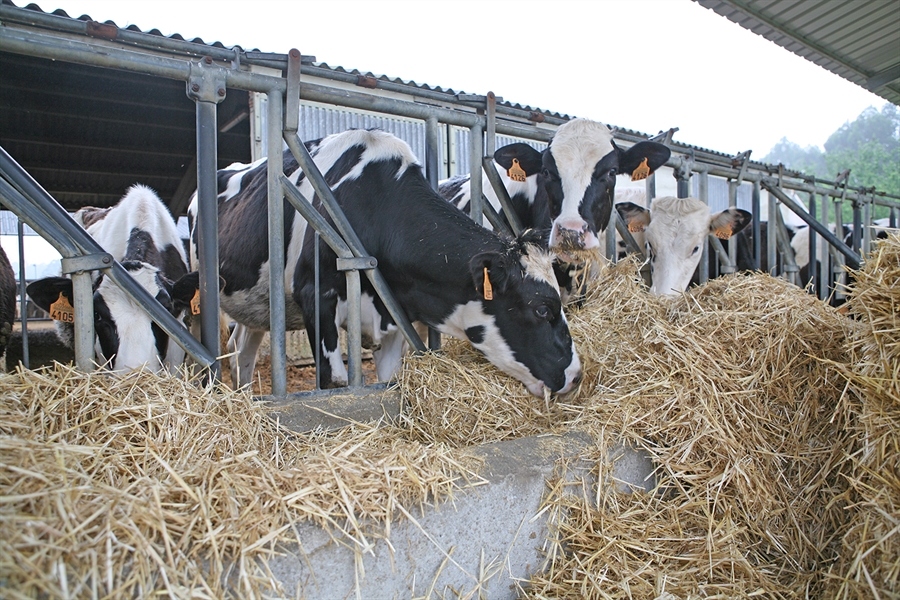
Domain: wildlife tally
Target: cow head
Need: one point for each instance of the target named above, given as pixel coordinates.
(579, 179)
(517, 320)
(125, 336)
(675, 231)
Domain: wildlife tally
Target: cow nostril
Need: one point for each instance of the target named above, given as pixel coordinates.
(576, 380)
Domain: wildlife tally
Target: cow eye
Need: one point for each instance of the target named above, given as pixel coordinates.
(542, 312)
(696, 248)
(612, 172)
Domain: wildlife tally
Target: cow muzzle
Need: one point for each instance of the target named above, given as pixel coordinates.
(570, 238)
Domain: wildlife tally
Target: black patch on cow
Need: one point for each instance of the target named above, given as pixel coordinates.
(172, 264)
(241, 255)
(344, 164)
(141, 248)
(596, 204)
(105, 329)
(475, 334)
(529, 158)
(550, 190)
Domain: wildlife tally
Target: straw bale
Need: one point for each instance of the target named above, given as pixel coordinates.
(137, 485)
(870, 560)
(732, 390)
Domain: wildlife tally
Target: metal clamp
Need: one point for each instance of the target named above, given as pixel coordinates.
(206, 82)
(86, 262)
(357, 263)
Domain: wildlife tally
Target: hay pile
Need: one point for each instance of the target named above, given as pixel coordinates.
(140, 485)
(732, 390)
(869, 566)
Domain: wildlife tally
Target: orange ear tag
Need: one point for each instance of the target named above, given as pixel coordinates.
(723, 233)
(634, 227)
(516, 172)
(641, 172)
(61, 310)
(195, 303)
(488, 289)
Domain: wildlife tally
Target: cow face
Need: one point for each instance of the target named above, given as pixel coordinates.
(675, 231)
(579, 179)
(518, 322)
(125, 336)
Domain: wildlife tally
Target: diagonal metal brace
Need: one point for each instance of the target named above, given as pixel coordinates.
(86, 262)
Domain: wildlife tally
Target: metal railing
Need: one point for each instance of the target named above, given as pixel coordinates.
(208, 79)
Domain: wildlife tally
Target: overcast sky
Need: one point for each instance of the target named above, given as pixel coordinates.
(646, 65)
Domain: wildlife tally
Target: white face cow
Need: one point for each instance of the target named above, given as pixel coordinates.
(675, 231)
(578, 181)
(140, 233)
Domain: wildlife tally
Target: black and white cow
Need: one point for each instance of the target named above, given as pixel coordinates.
(444, 270)
(7, 300)
(674, 231)
(140, 233)
(575, 183)
(518, 166)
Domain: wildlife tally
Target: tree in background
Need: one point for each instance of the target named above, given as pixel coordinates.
(869, 146)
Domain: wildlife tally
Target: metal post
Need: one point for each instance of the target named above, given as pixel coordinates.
(611, 250)
(275, 161)
(837, 261)
(23, 299)
(857, 226)
(756, 229)
(867, 227)
(432, 171)
(476, 149)
(354, 328)
(83, 303)
(703, 192)
(491, 117)
(208, 229)
(813, 276)
(732, 246)
(824, 276)
(206, 87)
(772, 237)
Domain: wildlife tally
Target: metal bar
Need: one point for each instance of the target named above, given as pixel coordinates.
(493, 178)
(208, 229)
(703, 192)
(432, 172)
(824, 276)
(852, 257)
(354, 328)
(755, 226)
(83, 303)
(771, 238)
(23, 300)
(317, 353)
(275, 168)
(343, 226)
(789, 264)
(867, 228)
(813, 276)
(491, 118)
(856, 238)
(732, 247)
(476, 151)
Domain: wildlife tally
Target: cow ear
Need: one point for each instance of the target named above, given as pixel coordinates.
(45, 292)
(725, 224)
(496, 277)
(184, 289)
(636, 217)
(642, 156)
(529, 158)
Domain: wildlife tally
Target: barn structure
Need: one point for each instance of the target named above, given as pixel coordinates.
(89, 108)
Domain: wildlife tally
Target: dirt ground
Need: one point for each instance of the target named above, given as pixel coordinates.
(300, 378)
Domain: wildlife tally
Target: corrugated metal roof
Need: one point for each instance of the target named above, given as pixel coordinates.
(860, 41)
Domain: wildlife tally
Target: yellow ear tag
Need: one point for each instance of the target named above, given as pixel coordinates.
(488, 289)
(635, 227)
(641, 172)
(516, 172)
(723, 233)
(62, 310)
(195, 303)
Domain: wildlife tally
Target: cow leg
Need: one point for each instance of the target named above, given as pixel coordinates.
(243, 346)
(387, 358)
